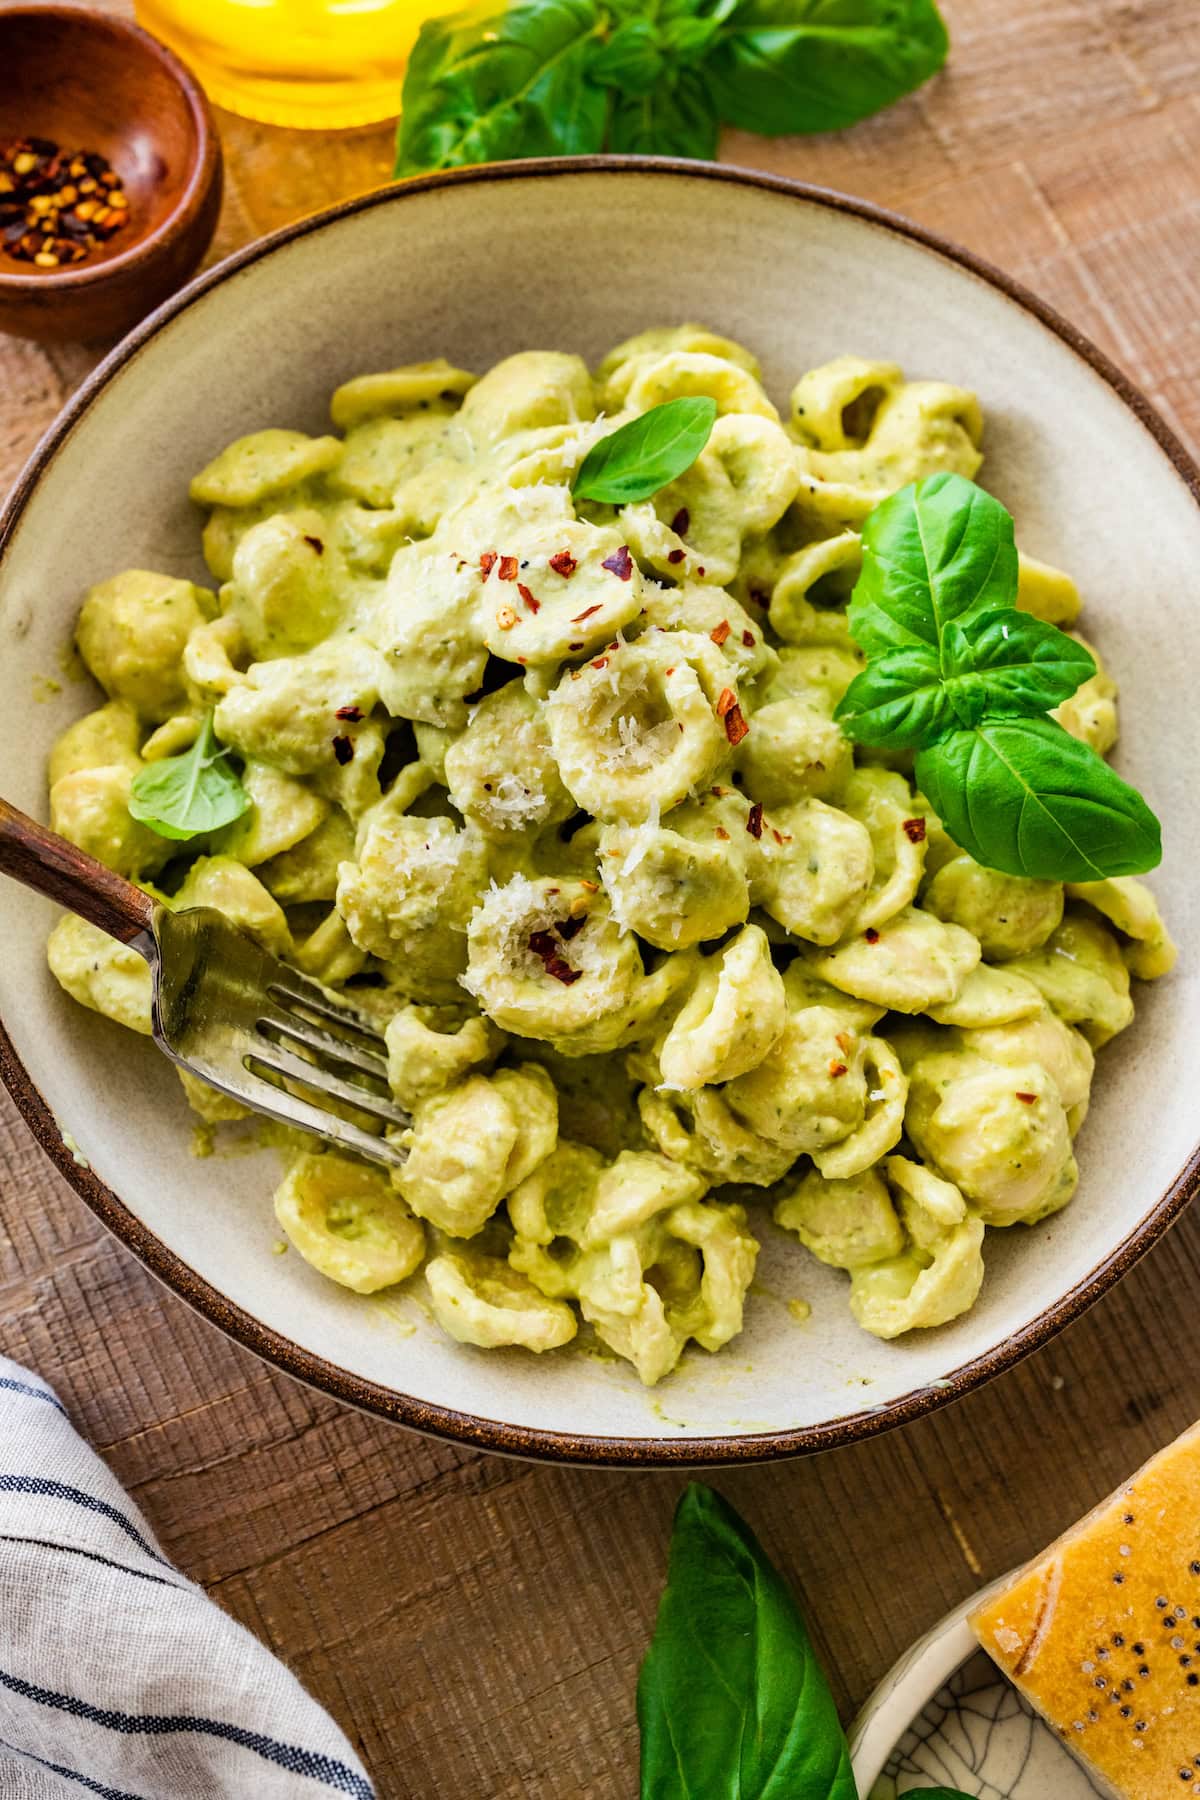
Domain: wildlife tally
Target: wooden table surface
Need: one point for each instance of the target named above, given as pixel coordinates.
(476, 1624)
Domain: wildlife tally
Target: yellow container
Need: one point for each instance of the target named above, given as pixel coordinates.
(315, 63)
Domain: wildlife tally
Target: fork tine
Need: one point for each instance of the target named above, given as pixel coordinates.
(284, 1063)
(324, 1043)
(298, 990)
(289, 1109)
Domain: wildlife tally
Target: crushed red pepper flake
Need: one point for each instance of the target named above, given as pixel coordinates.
(914, 830)
(749, 639)
(585, 614)
(700, 570)
(1027, 1098)
(351, 713)
(754, 821)
(578, 646)
(564, 564)
(722, 833)
(843, 1041)
(601, 662)
(545, 945)
(871, 935)
(56, 206)
(315, 543)
(343, 749)
(487, 563)
(720, 632)
(534, 606)
(777, 834)
(676, 556)
(681, 521)
(836, 1069)
(735, 725)
(726, 699)
(508, 568)
(620, 563)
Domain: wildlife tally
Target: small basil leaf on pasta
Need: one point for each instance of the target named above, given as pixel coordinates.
(817, 65)
(937, 550)
(1023, 796)
(184, 796)
(637, 459)
(495, 82)
(1007, 661)
(731, 1697)
(899, 701)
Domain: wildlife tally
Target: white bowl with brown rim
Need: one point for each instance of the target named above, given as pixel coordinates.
(576, 255)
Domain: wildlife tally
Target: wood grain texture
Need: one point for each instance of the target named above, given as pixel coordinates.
(476, 1624)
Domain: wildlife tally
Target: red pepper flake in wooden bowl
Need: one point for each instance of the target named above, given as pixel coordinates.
(620, 563)
(914, 830)
(57, 206)
(564, 564)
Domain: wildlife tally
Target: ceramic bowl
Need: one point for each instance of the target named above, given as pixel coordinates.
(93, 82)
(577, 255)
(945, 1714)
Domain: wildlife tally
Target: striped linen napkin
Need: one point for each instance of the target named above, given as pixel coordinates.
(118, 1676)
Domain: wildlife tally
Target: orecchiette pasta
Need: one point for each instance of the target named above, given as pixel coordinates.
(558, 787)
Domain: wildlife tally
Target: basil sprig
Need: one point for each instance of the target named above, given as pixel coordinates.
(956, 673)
(183, 796)
(514, 78)
(732, 1702)
(637, 459)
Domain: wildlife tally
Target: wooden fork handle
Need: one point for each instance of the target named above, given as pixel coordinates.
(49, 865)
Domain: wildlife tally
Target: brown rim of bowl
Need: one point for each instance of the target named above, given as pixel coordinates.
(200, 174)
(446, 1422)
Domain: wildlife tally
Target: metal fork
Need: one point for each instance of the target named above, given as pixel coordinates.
(223, 1007)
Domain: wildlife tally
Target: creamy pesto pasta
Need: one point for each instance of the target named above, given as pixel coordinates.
(554, 789)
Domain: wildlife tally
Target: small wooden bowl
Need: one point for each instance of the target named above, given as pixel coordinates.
(92, 82)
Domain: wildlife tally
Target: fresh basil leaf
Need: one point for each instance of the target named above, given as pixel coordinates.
(1025, 797)
(183, 796)
(732, 1702)
(497, 82)
(1009, 662)
(637, 459)
(676, 118)
(631, 59)
(899, 701)
(783, 66)
(935, 551)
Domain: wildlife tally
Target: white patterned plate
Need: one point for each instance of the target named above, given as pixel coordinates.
(946, 1715)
